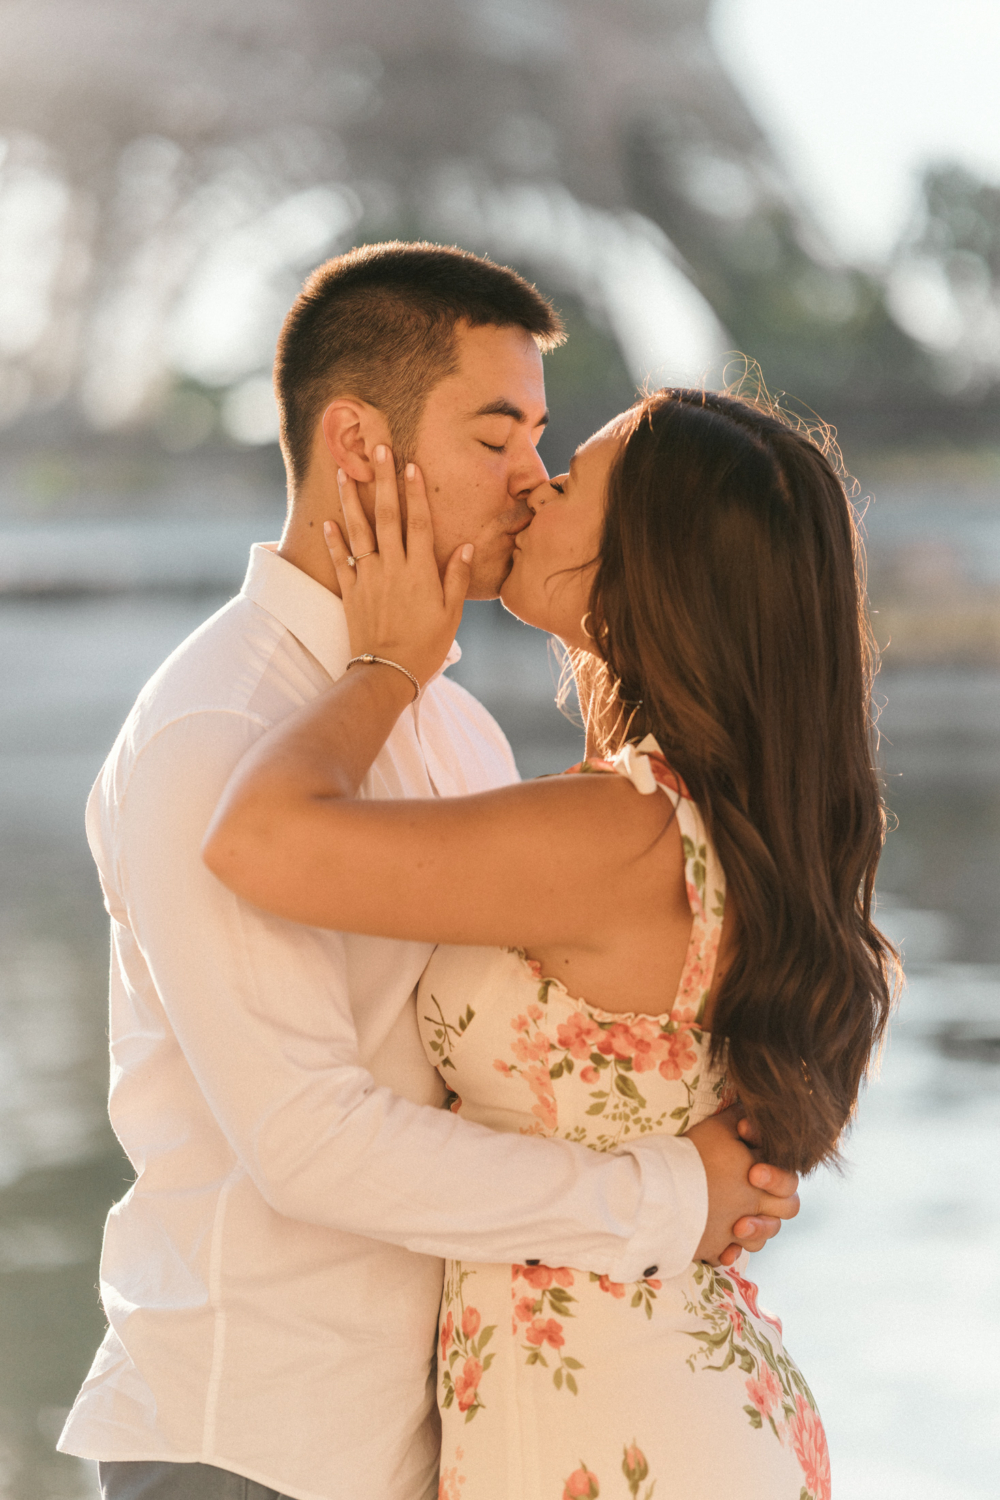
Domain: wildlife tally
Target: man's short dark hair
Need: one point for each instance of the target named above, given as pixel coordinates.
(379, 324)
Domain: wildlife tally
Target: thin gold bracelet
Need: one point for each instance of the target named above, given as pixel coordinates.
(383, 661)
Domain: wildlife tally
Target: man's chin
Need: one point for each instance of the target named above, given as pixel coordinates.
(489, 582)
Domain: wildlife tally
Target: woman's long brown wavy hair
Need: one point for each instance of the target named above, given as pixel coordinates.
(729, 611)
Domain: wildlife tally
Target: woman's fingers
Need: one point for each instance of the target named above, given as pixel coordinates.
(388, 522)
(456, 580)
(339, 553)
(419, 526)
(360, 537)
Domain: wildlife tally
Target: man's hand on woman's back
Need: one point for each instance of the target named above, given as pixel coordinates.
(747, 1199)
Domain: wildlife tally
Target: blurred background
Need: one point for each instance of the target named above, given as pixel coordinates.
(814, 187)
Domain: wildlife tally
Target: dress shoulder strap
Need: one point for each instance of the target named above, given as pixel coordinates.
(643, 764)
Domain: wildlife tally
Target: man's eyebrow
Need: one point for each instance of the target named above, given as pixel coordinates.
(504, 408)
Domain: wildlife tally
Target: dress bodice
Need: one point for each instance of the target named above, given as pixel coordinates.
(558, 1380)
(520, 1053)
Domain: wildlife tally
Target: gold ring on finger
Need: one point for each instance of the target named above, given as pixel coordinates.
(353, 561)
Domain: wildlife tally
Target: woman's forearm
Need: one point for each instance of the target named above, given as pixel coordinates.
(320, 753)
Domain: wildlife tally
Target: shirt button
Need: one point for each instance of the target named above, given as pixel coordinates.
(532, 1263)
(650, 1271)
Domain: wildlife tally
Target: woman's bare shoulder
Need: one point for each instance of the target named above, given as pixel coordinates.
(587, 813)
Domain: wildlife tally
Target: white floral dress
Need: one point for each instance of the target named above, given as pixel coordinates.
(555, 1383)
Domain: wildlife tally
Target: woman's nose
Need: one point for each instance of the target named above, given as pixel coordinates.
(537, 497)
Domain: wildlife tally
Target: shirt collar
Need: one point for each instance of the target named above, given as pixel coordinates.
(313, 614)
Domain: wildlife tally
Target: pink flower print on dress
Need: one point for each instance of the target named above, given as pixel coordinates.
(452, 1482)
(749, 1293)
(764, 1391)
(542, 1277)
(470, 1322)
(732, 1312)
(540, 1084)
(530, 1049)
(649, 1045)
(467, 1384)
(582, 1485)
(550, 1332)
(616, 1288)
(635, 1467)
(589, 1074)
(502, 1067)
(524, 1311)
(578, 1036)
(699, 970)
(681, 1056)
(809, 1442)
(618, 1041)
(450, 1485)
(447, 1334)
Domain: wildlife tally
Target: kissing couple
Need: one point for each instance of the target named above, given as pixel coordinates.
(455, 1104)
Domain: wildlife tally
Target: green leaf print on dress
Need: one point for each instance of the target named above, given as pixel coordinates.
(545, 1291)
(778, 1395)
(541, 1297)
(462, 1345)
(444, 1034)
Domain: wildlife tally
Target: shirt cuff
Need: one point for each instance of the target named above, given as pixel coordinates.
(674, 1209)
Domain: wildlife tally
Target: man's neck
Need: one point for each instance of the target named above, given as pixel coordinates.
(304, 546)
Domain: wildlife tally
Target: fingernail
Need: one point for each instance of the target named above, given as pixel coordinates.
(380, 453)
(467, 552)
(411, 471)
(763, 1176)
(328, 529)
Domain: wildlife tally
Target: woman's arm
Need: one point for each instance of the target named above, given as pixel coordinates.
(525, 865)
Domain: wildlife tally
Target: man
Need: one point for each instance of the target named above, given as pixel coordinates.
(272, 1279)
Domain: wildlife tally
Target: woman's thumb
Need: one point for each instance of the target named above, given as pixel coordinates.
(457, 576)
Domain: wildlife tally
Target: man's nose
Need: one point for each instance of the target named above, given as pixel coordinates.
(528, 473)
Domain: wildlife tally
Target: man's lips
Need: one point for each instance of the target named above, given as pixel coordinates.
(515, 532)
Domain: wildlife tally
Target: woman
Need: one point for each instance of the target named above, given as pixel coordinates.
(628, 949)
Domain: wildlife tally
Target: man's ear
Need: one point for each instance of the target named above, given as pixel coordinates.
(351, 431)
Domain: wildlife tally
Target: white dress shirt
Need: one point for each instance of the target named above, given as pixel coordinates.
(272, 1279)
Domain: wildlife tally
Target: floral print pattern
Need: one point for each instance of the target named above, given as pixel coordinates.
(693, 1361)
(777, 1394)
(461, 1359)
(583, 1484)
(614, 1051)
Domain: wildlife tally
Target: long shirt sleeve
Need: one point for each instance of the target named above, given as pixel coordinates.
(261, 1012)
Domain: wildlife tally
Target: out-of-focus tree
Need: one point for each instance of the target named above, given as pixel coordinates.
(171, 171)
(945, 284)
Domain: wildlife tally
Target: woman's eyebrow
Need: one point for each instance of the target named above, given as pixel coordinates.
(503, 408)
